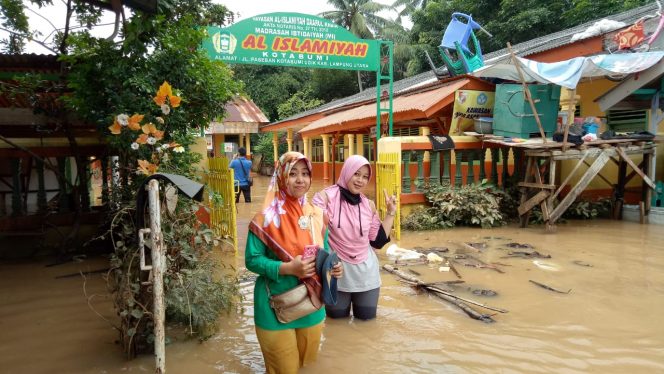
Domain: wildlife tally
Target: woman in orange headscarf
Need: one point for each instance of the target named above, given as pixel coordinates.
(275, 245)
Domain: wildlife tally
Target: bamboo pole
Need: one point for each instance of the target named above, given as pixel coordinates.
(526, 92)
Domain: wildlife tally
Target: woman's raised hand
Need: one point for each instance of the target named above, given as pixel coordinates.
(390, 203)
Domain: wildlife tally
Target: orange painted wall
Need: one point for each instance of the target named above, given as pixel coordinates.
(585, 47)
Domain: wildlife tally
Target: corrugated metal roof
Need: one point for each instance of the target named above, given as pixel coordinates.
(420, 104)
(524, 49)
(242, 109)
(29, 62)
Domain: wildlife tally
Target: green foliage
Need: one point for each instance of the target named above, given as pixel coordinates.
(332, 84)
(512, 21)
(197, 289)
(264, 146)
(297, 103)
(358, 16)
(270, 86)
(468, 205)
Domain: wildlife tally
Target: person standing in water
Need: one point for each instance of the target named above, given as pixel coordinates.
(354, 231)
(242, 169)
(277, 237)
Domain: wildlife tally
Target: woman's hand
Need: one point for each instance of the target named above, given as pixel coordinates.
(390, 203)
(300, 268)
(337, 270)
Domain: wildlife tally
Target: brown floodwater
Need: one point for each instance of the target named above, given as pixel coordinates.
(608, 323)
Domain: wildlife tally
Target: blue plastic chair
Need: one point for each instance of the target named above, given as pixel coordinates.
(458, 31)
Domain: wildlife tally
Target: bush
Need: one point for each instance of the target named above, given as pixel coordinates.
(469, 205)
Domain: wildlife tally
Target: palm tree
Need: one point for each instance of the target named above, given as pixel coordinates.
(358, 16)
(410, 6)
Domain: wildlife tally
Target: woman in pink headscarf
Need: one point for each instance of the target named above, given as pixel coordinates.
(354, 229)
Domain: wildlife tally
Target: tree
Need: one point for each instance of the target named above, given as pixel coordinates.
(512, 21)
(104, 77)
(297, 103)
(269, 86)
(410, 6)
(359, 17)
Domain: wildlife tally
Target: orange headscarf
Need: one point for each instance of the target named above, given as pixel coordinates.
(286, 224)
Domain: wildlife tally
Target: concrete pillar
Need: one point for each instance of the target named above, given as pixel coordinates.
(326, 157)
(425, 131)
(289, 139)
(240, 138)
(307, 151)
(351, 144)
(247, 143)
(275, 146)
(360, 145)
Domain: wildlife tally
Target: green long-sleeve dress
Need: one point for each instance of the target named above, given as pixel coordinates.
(262, 261)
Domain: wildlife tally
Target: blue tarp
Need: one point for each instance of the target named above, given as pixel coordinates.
(568, 73)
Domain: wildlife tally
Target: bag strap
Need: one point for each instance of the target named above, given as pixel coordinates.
(243, 169)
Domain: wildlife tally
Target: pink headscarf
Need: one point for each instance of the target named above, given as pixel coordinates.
(351, 226)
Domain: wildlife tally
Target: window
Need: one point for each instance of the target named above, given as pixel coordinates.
(316, 150)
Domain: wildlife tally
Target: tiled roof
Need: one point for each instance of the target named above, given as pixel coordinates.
(527, 48)
(241, 109)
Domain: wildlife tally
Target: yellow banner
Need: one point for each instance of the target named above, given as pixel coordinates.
(469, 105)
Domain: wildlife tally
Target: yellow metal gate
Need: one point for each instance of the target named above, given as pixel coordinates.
(221, 184)
(388, 177)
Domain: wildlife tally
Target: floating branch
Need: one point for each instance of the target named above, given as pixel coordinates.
(548, 287)
(440, 293)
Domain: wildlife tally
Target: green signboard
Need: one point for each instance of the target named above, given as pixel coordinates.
(292, 39)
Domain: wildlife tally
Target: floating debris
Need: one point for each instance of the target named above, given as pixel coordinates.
(413, 272)
(546, 265)
(549, 287)
(581, 263)
(439, 249)
(518, 245)
(488, 293)
(432, 257)
(523, 254)
(478, 245)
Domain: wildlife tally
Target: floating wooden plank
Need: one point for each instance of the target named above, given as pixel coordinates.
(631, 163)
(580, 186)
(528, 205)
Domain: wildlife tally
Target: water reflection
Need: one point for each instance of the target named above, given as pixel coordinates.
(608, 323)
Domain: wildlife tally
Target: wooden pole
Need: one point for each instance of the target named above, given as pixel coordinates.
(570, 117)
(526, 92)
(158, 263)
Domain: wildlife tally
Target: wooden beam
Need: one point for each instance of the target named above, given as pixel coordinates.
(629, 85)
(537, 185)
(580, 186)
(631, 163)
(600, 174)
(570, 175)
(526, 93)
(528, 205)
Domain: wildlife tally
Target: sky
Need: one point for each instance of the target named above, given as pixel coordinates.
(250, 8)
(245, 9)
